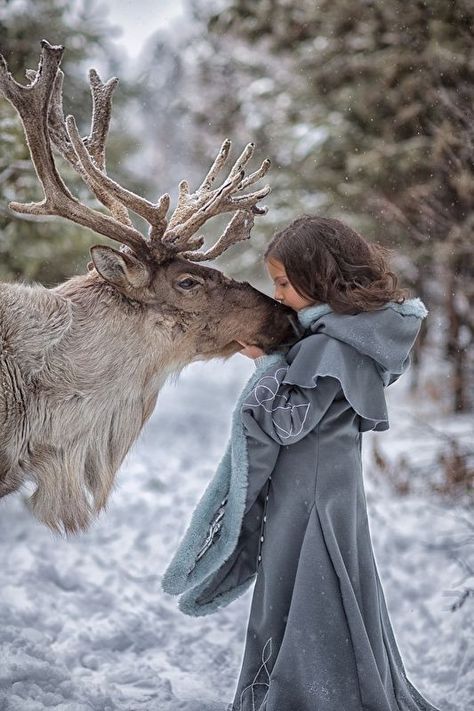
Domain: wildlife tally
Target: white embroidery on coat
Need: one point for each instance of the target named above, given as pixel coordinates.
(259, 683)
(213, 532)
(266, 396)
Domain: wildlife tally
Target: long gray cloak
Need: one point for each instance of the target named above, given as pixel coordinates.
(287, 510)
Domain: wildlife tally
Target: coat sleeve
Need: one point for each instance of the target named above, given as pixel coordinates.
(262, 454)
(284, 411)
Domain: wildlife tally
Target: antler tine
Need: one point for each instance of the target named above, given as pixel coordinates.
(56, 124)
(32, 103)
(250, 199)
(215, 167)
(95, 144)
(60, 138)
(37, 93)
(243, 159)
(251, 179)
(101, 110)
(89, 161)
(154, 214)
(182, 208)
(237, 230)
(194, 210)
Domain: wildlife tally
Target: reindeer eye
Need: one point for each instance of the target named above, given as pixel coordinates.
(187, 283)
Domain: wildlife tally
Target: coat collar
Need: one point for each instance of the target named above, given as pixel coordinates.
(410, 307)
(309, 314)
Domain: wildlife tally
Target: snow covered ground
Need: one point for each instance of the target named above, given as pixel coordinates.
(84, 624)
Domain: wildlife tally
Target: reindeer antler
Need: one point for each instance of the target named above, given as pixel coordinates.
(193, 210)
(40, 108)
(32, 103)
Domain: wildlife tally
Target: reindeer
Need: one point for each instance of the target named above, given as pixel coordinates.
(82, 363)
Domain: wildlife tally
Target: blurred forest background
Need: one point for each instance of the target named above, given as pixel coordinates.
(365, 109)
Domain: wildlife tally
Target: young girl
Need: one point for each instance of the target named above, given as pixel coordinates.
(287, 506)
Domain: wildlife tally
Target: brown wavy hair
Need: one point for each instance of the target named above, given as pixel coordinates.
(326, 260)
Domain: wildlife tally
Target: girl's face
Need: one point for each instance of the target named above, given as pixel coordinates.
(284, 291)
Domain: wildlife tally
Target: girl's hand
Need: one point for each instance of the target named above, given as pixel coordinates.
(251, 351)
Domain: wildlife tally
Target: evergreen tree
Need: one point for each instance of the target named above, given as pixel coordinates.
(49, 250)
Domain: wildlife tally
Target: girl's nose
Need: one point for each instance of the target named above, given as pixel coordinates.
(278, 295)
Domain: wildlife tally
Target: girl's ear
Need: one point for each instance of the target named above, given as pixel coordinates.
(118, 268)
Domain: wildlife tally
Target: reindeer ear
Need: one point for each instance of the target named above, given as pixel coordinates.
(119, 268)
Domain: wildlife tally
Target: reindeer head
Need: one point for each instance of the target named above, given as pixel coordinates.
(175, 295)
(158, 271)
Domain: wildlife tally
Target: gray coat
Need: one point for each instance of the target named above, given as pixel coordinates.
(287, 509)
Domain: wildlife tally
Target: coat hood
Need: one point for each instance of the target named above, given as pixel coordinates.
(386, 335)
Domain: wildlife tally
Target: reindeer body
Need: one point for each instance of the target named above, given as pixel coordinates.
(73, 399)
(81, 368)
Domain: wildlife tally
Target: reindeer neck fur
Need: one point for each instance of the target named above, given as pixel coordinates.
(109, 346)
(86, 396)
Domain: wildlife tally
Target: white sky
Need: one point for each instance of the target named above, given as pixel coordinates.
(139, 19)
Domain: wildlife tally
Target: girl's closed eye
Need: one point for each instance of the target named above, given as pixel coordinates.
(283, 288)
